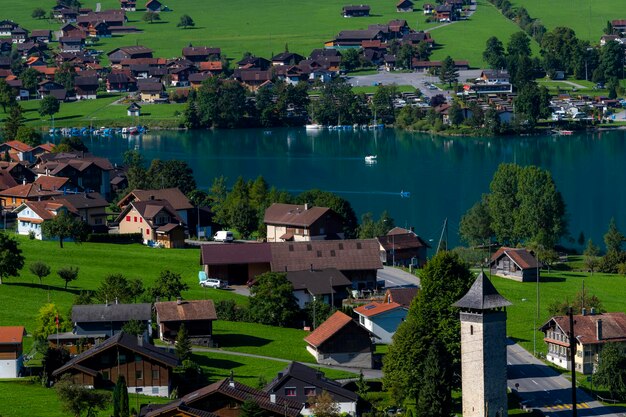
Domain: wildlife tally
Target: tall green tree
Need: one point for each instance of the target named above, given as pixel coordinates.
(114, 287)
(186, 22)
(613, 238)
(65, 226)
(136, 170)
(11, 258)
(611, 373)
(350, 59)
(76, 399)
(12, 122)
(431, 319)
(382, 103)
(168, 285)
(475, 227)
(272, 301)
(68, 274)
(150, 17)
(435, 397)
(590, 256)
(7, 97)
(532, 104)
(40, 270)
(183, 344)
(494, 54)
(49, 106)
(170, 174)
(448, 72)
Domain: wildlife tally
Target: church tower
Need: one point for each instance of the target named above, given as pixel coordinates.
(483, 350)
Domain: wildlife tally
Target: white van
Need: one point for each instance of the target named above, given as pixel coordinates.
(223, 236)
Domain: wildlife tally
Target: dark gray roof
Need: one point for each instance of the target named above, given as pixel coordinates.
(482, 296)
(111, 312)
(318, 281)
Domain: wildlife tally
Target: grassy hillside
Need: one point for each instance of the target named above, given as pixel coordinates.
(587, 18)
(467, 39)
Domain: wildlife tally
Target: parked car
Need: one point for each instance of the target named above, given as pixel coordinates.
(223, 236)
(214, 283)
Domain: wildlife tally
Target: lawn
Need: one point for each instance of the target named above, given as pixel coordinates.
(465, 40)
(557, 285)
(100, 112)
(42, 401)
(22, 297)
(236, 26)
(587, 18)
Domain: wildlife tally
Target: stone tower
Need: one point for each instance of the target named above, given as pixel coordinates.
(483, 350)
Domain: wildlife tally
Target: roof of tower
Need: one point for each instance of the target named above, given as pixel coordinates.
(482, 296)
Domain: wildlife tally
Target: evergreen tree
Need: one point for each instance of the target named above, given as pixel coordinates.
(494, 54)
(7, 98)
(183, 344)
(448, 72)
(590, 256)
(124, 404)
(613, 239)
(13, 122)
(611, 372)
(116, 397)
(435, 397)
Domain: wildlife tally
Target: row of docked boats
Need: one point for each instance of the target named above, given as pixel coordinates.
(344, 127)
(102, 131)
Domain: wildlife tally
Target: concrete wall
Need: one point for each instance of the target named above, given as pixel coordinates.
(350, 360)
(483, 364)
(384, 325)
(156, 391)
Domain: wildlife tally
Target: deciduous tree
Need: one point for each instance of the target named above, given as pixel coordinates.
(38, 13)
(494, 54)
(11, 258)
(168, 285)
(49, 106)
(186, 21)
(611, 372)
(68, 274)
(171, 173)
(65, 226)
(40, 270)
(272, 301)
(590, 256)
(77, 399)
(151, 16)
(28, 135)
(475, 227)
(48, 318)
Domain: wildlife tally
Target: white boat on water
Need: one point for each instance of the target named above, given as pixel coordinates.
(314, 126)
(371, 158)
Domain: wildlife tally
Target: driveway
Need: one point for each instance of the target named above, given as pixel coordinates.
(395, 277)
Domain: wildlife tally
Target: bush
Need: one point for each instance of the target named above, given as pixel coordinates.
(609, 262)
(229, 310)
(123, 238)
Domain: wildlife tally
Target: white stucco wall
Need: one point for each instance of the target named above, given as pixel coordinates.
(159, 391)
(10, 368)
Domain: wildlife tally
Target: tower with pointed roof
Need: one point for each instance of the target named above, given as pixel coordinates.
(483, 350)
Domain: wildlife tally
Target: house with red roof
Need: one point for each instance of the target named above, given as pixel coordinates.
(11, 349)
(43, 188)
(341, 341)
(16, 150)
(515, 263)
(32, 214)
(403, 247)
(382, 319)
(593, 331)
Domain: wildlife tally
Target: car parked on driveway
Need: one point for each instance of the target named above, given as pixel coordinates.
(214, 283)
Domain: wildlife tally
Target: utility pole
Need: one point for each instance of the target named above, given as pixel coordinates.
(572, 355)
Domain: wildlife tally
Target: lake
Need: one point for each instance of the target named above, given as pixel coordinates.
(445, 175)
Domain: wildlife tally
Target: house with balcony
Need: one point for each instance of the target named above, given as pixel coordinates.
(301, 223)
(156, 221)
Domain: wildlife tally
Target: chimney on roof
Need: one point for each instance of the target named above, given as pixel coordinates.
(584, 311)
(593, 311)
(115, 300)
(106, 302)
(179, 300)
(306, 206)
(599, 329)
(273, 398)
(23, 181)
(39, 187)
(140, 340)
(47, 172)
(231, 380)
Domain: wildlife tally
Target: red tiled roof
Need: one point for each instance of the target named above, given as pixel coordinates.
(327, 329)
(375, 308)
(293, 215)
(18, 146)
(10, 335)
(402, 296)
(211, 66)
(43, 209)
(520, 256)
(613, 327)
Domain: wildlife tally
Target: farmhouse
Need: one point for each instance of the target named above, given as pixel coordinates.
(404, 6)
(327, 285)
(402, 247)
(341, 341)
(86, 87)
(42, 35)
(128, 5)
(173, 196)
(201, 53)
(146, 368)
(90, 207)
(43, 188)
(107, 320)
(619, 25)
(151, 90)
(155, 220)
(300, 382)
(154, 6)
(32, 214)
(515, 263)
(299, 223)
(224, 399)
(593, 332)
(197, 316)
(127, 52)
(444, 13)
(11, 349)
(381, 319)
(356, 11)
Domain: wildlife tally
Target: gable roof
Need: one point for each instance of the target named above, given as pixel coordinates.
(82, 201)
(613, 327)
(174, 196)
(311, 377)
(238, 392)
(482, 296)
(398, 241)
(186, 310)
(318, 281)
(375, 308)
(11, 335)
(520, 256)
(95, 313)
(17, 145)
(150, 209)
(129, 342)
(231, 253)
(44, 209)
(328, 329)
(402, 296)
(294, 214)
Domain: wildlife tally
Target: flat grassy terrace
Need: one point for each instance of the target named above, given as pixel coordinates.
(557, 285)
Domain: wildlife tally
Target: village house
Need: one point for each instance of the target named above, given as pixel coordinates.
(43, 188)
(19, 35)
(286, 58)
(403, 296)
(252, 78)
(198, 54)
(18, 170)
(300, 223)
(41, 35)
(134, 110)
(593, 331)
(354, 38)
(86, 87)
(444, 13)
(17, 151)
(107, 320)
(156, 221)
(51, 88)
(11, 351)
(128, 5)
(300, 382)
(515, 263)
(89, 207)
(173, 196)
(32, 214)
(254, 62)
(327, 285)
(147, 369)
(154, 6)
(6, 181)
(224, 398)
(403, 247)
(404, 6)
(355, 11)
(71, 44)
(151, 91)
(197, 316)
(358, 260)
(129, 52)
(619, 25)
(6, 27)
(119, 82)
(381, 319)
(341, 341)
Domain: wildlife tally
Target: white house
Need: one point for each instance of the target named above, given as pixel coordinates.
(32, 214)
(382, 319)
(11, 359)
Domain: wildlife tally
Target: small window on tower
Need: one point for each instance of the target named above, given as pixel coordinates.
(471, 329)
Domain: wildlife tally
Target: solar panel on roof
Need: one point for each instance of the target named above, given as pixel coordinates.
(370, 307)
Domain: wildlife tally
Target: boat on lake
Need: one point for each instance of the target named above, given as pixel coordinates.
(370, 159)
(405, 194)
(313, 126)
(561, 132)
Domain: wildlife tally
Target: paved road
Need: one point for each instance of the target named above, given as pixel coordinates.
(544, 388)
(367, 373)
(395, 277)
